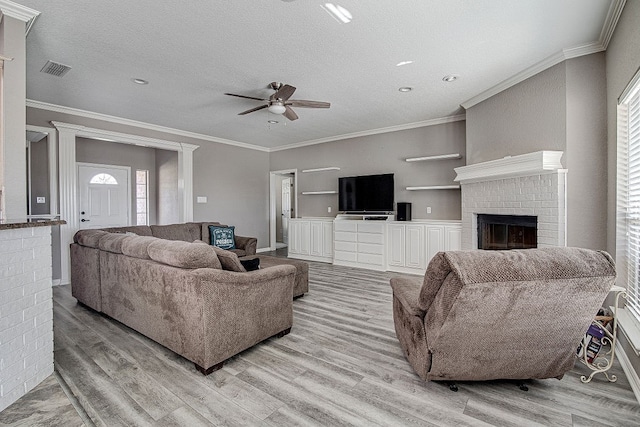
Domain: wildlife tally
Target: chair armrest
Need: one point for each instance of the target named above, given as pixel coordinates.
(407, 291)
(248, 244)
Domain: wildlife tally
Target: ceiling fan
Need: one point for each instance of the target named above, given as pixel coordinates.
(279, 102)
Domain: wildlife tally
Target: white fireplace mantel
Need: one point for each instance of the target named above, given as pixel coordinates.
(510, 166)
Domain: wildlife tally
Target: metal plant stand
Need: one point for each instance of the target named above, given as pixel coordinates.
(603, 361)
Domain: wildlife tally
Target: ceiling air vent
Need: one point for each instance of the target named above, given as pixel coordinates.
(55, 69)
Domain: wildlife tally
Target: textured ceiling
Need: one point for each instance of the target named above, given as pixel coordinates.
(191, 52)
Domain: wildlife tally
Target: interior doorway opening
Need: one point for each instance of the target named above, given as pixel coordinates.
(284, 206)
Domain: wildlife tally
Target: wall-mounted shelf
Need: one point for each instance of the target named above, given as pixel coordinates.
(438, 157)
(328, 168)
(434, 187)
(308, 193)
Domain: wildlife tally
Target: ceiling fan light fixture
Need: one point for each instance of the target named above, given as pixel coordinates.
(338, 12)
(277, 108)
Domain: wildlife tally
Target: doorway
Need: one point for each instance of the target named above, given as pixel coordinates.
(284, 203)
(104, 195)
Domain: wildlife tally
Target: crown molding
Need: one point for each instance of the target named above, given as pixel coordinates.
(148, 126)
(613, 15)
(20, 12)
(457, 118)
(611, 21)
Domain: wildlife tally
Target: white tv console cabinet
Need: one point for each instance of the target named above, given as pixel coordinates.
(383, 245)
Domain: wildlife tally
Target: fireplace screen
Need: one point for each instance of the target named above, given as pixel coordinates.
(500, 232)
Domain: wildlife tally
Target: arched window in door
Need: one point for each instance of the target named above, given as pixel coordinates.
(103, 178)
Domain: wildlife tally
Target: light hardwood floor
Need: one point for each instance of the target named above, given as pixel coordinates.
(341, 365)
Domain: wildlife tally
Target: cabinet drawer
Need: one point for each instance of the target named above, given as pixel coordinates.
(345, 256)
(368, 248)
(371, 238)
(371, 227)
(345, 246)
(345, 236)
(345, 226)
(371, 259)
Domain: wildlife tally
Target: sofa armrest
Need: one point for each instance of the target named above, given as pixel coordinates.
(248, 244)
(407, 292)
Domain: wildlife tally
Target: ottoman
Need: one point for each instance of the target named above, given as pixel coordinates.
(301, 284)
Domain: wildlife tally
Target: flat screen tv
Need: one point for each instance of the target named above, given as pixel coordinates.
(368, 193)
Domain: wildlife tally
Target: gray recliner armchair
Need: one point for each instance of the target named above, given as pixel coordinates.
(482, 315)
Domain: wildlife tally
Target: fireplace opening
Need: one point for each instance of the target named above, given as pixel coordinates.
(501, 232)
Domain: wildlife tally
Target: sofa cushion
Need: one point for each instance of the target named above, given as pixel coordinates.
(112, 242)
(229, 260)
(186, 232)
(88, 238)
(138, 246)
(250, 264)
(183, 254)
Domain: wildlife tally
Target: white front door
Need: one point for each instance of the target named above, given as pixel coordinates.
(103, 196)
(286, 209)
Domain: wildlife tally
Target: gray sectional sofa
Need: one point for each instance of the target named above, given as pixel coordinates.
(161, 283)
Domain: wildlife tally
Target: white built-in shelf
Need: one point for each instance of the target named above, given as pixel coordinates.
(319, 192)
(438, 157)
(434, 187)
(328, 168)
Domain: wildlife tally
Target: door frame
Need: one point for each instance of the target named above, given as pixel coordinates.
(273, 183)
(99, 165)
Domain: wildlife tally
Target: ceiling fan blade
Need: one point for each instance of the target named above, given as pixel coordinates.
(284, 92)
(252, 110)
(246, 97)
(290, 114)
(308, 104)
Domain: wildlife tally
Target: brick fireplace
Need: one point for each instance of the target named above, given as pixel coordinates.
(531, 185)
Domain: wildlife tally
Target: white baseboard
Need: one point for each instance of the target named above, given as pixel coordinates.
(55, 282)
(262, 250)
(629, 371)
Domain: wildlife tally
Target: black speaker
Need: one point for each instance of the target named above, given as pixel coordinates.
(404, 211)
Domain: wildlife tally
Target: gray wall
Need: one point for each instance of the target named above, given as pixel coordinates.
(558, 109)
(113, 153)
(377, 154)
(39, 176)
(623, 60)
(167, 192)
(236, 183)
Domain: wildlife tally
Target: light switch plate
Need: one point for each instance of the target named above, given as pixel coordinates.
(40, 200)
(202, 199)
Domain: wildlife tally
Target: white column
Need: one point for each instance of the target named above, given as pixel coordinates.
(68, 181)
(185, 181)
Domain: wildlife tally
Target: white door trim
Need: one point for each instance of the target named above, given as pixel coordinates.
(127, 169)
(52, 153)
(68, 178)
(272, 201)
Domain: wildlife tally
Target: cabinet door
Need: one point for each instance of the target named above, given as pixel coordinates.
(316, 238)
(453, 238)
(396, 245)
(294, 237)
(305, 238)
(327, 239)
(435, 241)
(414, 249)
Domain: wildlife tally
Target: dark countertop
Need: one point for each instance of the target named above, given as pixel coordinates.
(9, 224)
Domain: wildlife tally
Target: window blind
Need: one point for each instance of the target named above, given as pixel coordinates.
(628, 198)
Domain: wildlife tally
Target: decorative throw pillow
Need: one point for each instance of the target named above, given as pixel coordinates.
(250, 264)
(223, 237)
(229, 260)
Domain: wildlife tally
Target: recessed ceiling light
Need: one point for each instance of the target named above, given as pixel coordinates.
(140, 81)
(400, 64)
(450, 78)
(273, 122)
(405, 89)
(338, 12)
